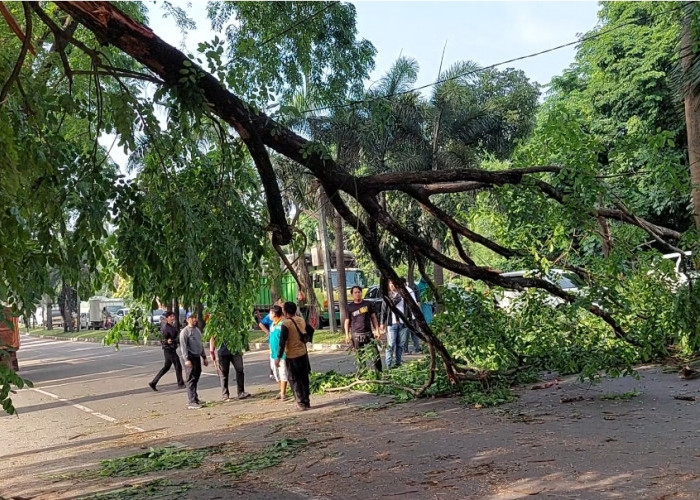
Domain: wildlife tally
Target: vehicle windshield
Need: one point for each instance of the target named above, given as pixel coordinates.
(352, 277)
(114, 309)
(157, 313)
(569, 280)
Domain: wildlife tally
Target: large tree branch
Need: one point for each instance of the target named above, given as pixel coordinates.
(112, 26)
(455, 226)
(258, 130)
(26, 44)
(399, 180)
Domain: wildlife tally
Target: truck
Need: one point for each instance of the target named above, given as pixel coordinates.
(97, 305)
(290, 290)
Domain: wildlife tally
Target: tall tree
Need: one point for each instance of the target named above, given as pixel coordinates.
(200, 101)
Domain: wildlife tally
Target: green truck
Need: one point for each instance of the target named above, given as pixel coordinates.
(289, 290)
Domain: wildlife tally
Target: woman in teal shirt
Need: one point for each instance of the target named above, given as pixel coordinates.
(279, 372)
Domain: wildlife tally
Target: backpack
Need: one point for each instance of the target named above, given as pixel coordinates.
(308, 335)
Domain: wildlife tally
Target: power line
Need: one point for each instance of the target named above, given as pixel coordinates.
(299, 23)
(471, 72)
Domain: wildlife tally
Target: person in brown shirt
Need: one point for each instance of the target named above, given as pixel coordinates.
(297, 357)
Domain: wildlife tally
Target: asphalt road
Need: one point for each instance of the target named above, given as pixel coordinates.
(85, 389)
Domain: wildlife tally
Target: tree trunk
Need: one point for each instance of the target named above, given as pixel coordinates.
(323, 233)
(176, 310)
(411, 274)
(340, 266)
(306, 283)
(438, 273)
(48, 316)
(692, 120)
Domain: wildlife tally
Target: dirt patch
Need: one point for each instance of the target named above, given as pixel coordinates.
(624, 438)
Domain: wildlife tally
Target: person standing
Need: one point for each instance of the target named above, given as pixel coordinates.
(360, 322)
(396, 330)
(194, 356)
(279, 372)
(224, 361)
(297, 357)
(266, 323)
(426, 306)
(169, 342)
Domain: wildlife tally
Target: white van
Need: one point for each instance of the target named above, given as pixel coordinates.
(56, 318)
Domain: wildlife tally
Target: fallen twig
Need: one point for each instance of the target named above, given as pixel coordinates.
(547, 385)
(571, 400)
(411, 391)
(685, 398)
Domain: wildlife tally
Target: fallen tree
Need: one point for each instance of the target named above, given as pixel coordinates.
(356, 198)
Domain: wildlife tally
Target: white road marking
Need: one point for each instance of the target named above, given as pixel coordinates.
(87, 410)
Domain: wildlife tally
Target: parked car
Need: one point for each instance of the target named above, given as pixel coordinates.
(120, 313)
(374, 297)
(566, 280)
(156, 316)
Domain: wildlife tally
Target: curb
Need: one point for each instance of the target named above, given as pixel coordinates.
(252, 347)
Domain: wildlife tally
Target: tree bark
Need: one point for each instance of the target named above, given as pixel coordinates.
(692, 118)
(340, 267)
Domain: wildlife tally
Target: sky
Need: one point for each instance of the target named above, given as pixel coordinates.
(481, 31)
(485, 32)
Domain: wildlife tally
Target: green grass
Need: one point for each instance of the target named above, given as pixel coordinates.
(320, 337)
(254, 336)
(83, 334)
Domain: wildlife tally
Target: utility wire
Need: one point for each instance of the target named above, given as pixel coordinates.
(491, 66)
(299, 23)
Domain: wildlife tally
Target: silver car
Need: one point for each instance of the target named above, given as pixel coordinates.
(566, 280)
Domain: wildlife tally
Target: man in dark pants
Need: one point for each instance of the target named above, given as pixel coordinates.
(360, 322)
(169, 343)
(194, 356)
(225, 360)
(297, 357)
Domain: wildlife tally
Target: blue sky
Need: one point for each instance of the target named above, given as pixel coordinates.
(483, 32)
(486, 32)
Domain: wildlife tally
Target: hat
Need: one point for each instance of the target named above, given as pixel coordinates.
(190, 314)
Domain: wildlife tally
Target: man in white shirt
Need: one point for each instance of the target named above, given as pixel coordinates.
(397, 332)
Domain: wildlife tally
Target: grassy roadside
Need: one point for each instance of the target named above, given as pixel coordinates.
(254, 336)
(320, 337)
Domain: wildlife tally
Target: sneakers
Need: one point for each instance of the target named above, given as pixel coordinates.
(301, 407)
(152, 386)
(194, 406)
(224, 398)
(243, 395)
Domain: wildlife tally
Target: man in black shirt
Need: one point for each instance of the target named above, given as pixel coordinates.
(169, 343)
(360, 322)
